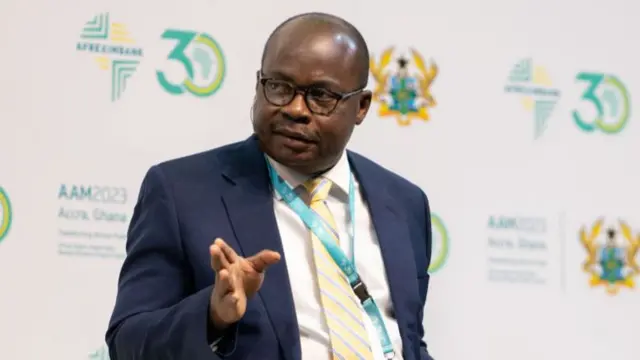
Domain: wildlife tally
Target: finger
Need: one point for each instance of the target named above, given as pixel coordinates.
(232, 298)
(218, 259)
(263, 259)
(223, 282)
(236, 301)
(228, 251)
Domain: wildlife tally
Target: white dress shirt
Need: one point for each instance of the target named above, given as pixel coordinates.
(296, 241)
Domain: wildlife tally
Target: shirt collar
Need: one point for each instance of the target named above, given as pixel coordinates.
(339, 175)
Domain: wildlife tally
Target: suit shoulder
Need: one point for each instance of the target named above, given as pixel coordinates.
(207, 158)
(390, 177)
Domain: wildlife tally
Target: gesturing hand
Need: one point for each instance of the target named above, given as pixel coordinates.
(237, 279)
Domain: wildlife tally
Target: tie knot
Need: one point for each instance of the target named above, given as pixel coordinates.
(318, 188)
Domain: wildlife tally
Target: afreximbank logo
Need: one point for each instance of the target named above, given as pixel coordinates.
(5, 214)
(113, 50)
(536, 91)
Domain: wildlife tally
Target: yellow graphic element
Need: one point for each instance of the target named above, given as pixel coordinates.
(528, 103)
(5, 214)
(610, 265)
(541, 76)
(103, 62)
(402, 95)
(120, 34)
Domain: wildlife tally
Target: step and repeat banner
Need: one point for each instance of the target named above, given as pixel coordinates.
(517, 118)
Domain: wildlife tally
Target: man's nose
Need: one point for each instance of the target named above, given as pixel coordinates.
(297, 109)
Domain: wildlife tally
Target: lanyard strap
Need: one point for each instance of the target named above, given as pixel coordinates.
(314, 222)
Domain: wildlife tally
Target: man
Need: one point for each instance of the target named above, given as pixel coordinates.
(285, 207)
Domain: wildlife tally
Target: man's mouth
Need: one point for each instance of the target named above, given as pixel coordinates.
(294, 135)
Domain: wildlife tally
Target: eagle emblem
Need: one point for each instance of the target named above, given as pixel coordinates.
(402, 93)
(611, 263)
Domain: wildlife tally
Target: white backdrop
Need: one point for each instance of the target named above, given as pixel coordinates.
(511, 175)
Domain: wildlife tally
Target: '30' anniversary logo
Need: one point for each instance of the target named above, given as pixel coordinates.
(201, 58)
(608, 95)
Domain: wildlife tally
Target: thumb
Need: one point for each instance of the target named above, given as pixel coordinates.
(263, 259)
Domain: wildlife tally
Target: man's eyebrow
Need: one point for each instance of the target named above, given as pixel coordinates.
(323, 83)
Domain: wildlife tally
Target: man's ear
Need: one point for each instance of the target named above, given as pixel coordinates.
(253, 108)
(363, 106)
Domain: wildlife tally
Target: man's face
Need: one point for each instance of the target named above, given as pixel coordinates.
(308, 135)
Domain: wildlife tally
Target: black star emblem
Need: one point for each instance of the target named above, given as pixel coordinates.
(402, 62)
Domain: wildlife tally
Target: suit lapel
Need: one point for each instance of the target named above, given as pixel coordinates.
(393, 238)
(249, 205)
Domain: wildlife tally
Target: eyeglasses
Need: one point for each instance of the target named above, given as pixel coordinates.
(319, 100)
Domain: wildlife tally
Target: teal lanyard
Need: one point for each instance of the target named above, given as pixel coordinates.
(316, 224)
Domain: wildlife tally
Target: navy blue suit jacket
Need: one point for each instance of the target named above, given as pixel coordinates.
(161, 310)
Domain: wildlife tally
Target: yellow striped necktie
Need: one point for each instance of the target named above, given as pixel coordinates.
(349, 338)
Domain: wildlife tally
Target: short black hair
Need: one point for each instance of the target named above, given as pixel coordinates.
(362, 53)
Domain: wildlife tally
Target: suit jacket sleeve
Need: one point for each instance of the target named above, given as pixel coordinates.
(424, 281)
(158, 314)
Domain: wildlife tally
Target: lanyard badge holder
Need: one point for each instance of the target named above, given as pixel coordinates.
(315, 224)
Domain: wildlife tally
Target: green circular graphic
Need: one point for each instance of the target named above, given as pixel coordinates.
(216, 83)
(622, 118)
(440, 246)
(5, 215)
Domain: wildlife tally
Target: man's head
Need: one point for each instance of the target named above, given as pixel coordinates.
(327, 60)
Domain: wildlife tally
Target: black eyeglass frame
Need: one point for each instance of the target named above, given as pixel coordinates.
(304, 91)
